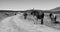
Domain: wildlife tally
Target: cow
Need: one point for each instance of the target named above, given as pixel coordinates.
(25, 15)
(39, 15)
(53, 17)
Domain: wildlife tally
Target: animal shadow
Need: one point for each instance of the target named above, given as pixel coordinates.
(56, 22)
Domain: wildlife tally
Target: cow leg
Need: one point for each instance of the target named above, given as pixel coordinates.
(42, 21)
(53, 21)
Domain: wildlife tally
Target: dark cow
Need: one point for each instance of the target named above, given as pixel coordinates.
(25, 15)
(39, 15)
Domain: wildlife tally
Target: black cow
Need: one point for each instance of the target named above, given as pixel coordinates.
(25, 15)
(39, 15)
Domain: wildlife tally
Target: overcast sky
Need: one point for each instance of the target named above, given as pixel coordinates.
(27, 4)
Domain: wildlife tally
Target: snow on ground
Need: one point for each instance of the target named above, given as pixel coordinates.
(18, 24)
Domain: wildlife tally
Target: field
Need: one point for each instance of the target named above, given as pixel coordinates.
(47, 20)
(3, 15)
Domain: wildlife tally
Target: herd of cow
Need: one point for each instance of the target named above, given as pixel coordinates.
(40, 16)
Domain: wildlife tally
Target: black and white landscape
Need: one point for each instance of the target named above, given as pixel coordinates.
(13, 20)
(29, 16)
